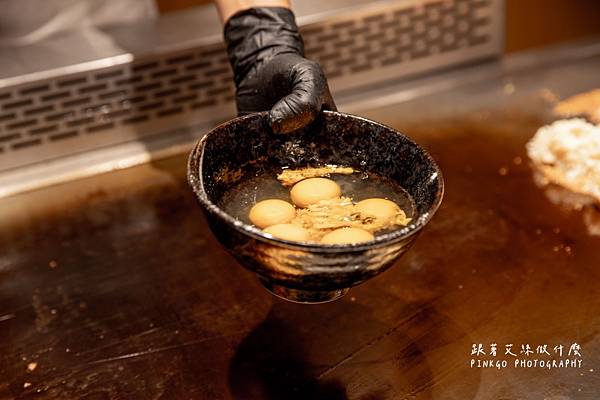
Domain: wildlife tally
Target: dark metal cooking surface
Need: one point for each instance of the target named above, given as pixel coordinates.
(113, 287)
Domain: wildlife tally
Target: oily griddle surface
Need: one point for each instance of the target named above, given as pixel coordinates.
(115, 288)
(142, 300)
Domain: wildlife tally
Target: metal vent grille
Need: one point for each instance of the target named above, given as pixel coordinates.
(114, 99)
(157, 94)
(379, 44)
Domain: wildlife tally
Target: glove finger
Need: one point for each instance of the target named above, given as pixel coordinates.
(300, 107)
(250, 100)
(328, 103)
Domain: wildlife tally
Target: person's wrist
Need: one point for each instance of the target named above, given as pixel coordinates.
(255, 35)
(227, 8)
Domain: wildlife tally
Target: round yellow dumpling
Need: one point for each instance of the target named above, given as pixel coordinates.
(291, 232)
(347, 236)
(379, 208)
(312, 190)
(271, 212)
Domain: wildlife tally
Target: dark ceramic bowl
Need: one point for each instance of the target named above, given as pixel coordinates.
(306, 272)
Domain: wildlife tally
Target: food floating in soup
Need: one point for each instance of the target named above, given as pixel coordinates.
(379, 208)
(292, 232)
(271, 212)
(347, 236)
(346, 209)
(312, 190)
(341, 212)
(289, 177)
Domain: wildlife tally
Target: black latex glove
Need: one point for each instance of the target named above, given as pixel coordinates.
(267, 55)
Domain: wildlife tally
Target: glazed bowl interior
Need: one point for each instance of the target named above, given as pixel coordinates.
(246, 147)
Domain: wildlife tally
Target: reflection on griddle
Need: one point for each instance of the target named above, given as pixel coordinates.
(565, 198)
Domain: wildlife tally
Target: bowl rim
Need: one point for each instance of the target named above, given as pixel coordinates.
(196, 181)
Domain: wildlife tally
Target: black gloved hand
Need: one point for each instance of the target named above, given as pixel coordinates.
(267, 55)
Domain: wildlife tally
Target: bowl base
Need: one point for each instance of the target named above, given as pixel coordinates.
(302, 296)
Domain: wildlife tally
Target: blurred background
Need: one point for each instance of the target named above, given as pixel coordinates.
(529, 23)
(90, 90)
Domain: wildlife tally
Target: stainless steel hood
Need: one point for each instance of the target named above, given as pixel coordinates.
(100, 99)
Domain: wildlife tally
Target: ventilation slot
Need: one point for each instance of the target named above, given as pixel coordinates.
(362, 46)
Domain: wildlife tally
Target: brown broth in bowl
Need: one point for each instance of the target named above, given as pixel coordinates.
(359, 186)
